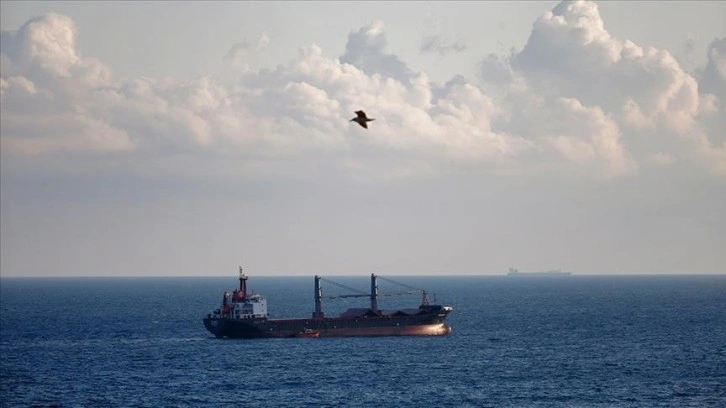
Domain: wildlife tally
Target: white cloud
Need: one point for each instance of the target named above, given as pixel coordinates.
(573, 98)
(651, 102)
(48, 43)
(366, 50)
(45, 85)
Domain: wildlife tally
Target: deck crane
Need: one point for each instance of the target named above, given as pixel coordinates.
(373, 295)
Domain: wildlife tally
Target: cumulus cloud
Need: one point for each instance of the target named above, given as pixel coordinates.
(45, 44)
(654, 104)
(44, 87)
(573, 98)
(366, 50)
(301, 107)
(570, 53)
(435, 44)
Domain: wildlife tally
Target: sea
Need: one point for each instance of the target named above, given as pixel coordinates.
(570, 341)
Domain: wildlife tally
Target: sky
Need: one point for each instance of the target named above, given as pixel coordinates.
(190, 138)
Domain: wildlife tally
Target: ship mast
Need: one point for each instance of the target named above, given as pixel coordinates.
(318, 302)
(242, 283)
(374, 294)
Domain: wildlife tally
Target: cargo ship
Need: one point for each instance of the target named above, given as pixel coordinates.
(554, 272)
(244, 315)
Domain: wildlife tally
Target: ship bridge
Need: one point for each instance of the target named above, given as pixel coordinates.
(253, 306)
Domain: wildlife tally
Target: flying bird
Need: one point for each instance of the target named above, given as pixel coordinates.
(361, 119)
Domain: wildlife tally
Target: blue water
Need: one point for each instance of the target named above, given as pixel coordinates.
(579, 341)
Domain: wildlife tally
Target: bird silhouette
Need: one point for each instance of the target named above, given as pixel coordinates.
(361, 119)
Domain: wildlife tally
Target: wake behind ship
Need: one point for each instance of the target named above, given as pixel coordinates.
(244, 315)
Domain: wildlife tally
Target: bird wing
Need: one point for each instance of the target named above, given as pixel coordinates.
(361, 114)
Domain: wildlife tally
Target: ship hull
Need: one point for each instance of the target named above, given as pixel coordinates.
(327, 327)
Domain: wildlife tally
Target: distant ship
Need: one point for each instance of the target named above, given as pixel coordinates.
(554, 272)
(244, 315)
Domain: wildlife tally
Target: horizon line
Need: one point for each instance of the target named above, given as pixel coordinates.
(301, 275)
